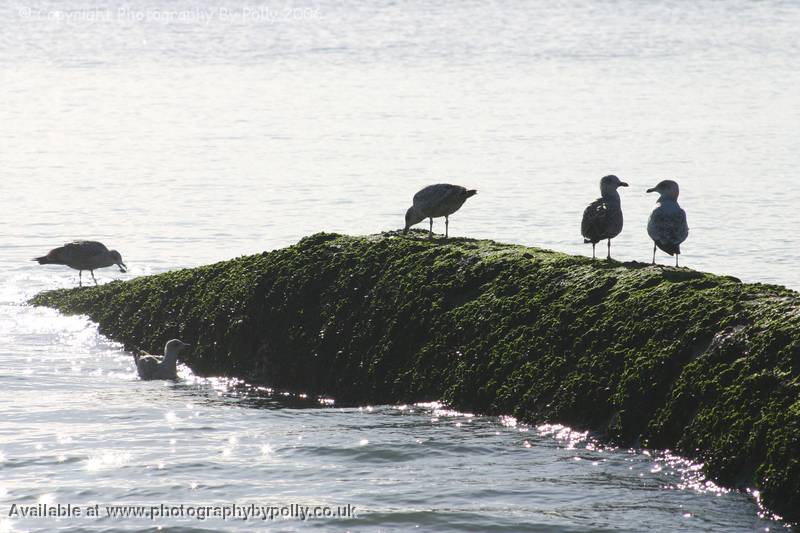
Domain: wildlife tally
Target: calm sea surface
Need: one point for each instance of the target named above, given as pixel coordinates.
(183, 133)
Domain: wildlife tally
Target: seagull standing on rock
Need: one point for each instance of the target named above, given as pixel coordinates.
(667, 224)
(440, 200)
(160, 367)
(83, 255)
(602, 219)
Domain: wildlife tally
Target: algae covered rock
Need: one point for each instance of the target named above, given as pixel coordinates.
(658, 357)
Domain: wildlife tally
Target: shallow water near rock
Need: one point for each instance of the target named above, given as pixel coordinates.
(182, 142)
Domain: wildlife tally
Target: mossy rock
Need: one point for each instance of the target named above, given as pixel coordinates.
(648, 355)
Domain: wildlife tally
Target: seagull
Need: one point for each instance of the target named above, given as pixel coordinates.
(83, 255)
(667, 224)
(602, 219)
(160, 366)
(440, 200)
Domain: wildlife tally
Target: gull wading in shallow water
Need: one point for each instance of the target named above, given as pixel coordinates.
(602, 219)
(434, 201)
(160, 366)
(667, 223)
(83, 255)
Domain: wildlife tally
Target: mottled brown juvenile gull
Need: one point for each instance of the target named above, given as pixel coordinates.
(440, 200)
(602, 219)
(160, 366)
(667, 224)
(83, 255)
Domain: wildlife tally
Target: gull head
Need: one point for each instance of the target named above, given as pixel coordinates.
(609, 184)
(413, 216)
(118, 260)
(667, 189)
(174, 346)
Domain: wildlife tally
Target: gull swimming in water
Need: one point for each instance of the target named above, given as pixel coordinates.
(667, 224)
(83, 255)
(602, 219)
(434, 201)
(158, 366)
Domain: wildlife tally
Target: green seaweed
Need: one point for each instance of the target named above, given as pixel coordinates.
(648, 355)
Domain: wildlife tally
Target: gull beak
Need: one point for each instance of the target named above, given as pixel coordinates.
(122, 267)
(623, 184)
(652, 189)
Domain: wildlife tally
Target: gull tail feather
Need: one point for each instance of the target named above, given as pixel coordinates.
(138, 353)
(669, 247)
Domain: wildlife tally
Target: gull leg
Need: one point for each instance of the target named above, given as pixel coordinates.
(446, 225)
(95, 279)
(609, 250)
(593, 244)
(80, 278)
(654, 253)
(676, 259)
(430, 231)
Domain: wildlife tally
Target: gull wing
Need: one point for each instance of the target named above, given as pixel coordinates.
(668, 226)
(595, 221)
(433, 196)
(77, 251)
